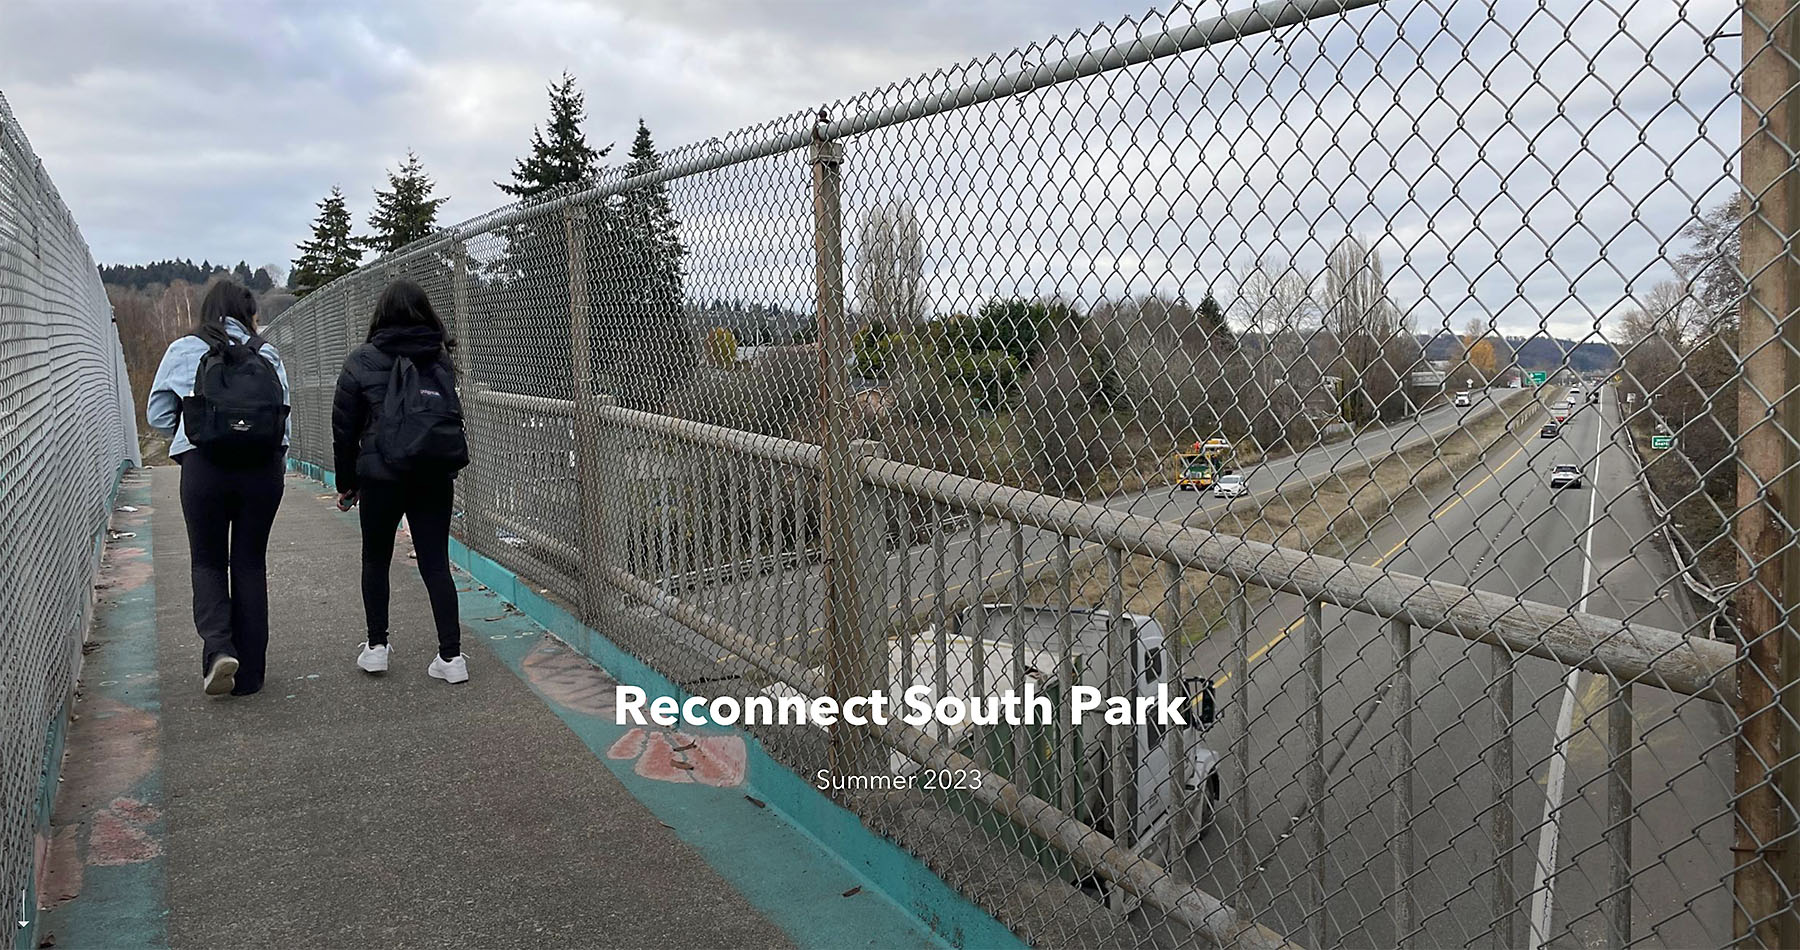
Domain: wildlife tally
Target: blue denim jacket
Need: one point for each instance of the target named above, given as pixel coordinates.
(175, 380)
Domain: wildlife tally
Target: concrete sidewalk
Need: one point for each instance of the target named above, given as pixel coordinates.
(338, 809)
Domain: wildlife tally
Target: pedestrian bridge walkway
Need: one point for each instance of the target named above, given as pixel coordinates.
(339, 809)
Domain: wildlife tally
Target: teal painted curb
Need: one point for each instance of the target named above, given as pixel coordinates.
(120, 902)
(941, 915)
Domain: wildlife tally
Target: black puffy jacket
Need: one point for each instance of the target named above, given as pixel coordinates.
(361, 390)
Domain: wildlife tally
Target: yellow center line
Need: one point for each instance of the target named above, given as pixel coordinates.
(1259, 654)
(1459, 499)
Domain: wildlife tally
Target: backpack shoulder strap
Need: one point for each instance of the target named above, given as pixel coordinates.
(212, 349)
(391, 400)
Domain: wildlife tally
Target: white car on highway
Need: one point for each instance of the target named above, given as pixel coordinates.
(1230, 486)
(1565, 476)
(1462, 399)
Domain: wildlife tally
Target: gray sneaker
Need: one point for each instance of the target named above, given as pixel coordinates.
(221, 676)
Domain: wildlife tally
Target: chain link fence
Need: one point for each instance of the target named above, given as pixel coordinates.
(1315, 358)
(67, 430)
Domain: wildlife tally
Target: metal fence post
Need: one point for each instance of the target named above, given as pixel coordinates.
(1313, 643)
(1500, 764)
(589, 459)
(1619, 813)
(1176, 660)
(1120, 673)
(1400, 845)
(474, 501)
(1240, 703)
(849, 626)
(1065, 677)
(1763, 876)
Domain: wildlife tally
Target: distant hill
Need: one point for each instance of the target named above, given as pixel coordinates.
(1546, 353)
(1538, 352)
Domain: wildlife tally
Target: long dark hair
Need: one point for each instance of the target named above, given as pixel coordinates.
(227, 298)
(404, 304)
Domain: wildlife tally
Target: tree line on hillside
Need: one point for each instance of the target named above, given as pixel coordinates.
(164, 273)
(1540, 351)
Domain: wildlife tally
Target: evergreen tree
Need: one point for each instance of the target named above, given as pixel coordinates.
(406, 211)
(1212, 319)
(649, 217)
(241, 273)
(645, 346)
(563, 157)
(535, 263)
(331, 253)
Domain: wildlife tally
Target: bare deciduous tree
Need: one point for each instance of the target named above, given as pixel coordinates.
(890, 267)
(1280, 316)
(1378, 351)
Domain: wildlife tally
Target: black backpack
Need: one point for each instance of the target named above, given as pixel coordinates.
(238, 411)
(421, 427)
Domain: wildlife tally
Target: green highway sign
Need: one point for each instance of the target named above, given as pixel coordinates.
(1537, 379)
(1662, 441)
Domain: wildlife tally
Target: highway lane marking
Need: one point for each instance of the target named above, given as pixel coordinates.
(1460, 497)
(1543, 886)
(1290, 628)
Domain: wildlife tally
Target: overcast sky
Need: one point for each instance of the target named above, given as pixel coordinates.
(208, 130)
(1523, 167)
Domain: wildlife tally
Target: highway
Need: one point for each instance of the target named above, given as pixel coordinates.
(1500, 528)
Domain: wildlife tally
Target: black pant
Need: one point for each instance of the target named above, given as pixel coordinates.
(229, 510)
(426, 503)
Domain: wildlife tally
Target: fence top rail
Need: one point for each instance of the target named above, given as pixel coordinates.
(791, 133)
(769, 448)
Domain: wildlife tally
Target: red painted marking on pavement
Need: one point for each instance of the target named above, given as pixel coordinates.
(709, 760)
(134, 811)
(115, 839)
(125, 569)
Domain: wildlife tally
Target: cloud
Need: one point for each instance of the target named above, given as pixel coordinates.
(1511, 163)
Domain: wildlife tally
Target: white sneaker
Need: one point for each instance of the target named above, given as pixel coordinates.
(450, 671)
(222, 675)
(373, 659)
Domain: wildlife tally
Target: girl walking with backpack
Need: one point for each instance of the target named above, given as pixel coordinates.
(397, 437)
(222, 395)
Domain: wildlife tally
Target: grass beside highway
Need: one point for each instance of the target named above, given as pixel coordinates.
(1333, 518)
